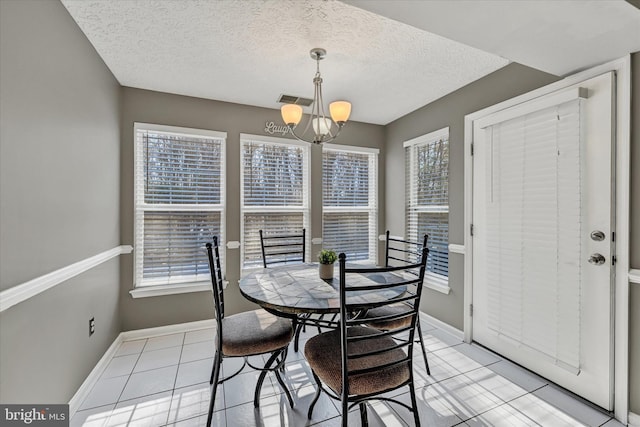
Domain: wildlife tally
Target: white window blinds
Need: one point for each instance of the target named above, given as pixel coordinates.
(427, 197)
(534, 231)
(350, 201)
(179, 200)
(275, 191)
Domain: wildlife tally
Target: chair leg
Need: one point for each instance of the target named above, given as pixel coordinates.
(215, 376)
(424, 352)
(316, 397)
(414, 404)
(279, 377)
(281, 363)
(213, 368)
(296, 340)
(363, 414)
(263, 374)
(345, 410)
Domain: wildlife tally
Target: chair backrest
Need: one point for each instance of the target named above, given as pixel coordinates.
(400, 251)
(283, 248)
(213, 255)
(382, 279)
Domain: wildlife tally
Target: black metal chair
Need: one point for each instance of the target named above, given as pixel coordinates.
(286, 248)
(356, 363)
(400, 252)
(282, 248)
(245, 334)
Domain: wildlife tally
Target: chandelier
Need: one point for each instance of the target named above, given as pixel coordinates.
(319, 127)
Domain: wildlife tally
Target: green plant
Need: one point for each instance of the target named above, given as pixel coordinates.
(327, 256)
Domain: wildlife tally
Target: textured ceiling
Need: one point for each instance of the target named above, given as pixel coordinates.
(556, 36)
(252, 51)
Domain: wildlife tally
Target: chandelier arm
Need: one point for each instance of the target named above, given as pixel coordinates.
(333, 136)
(314, 107)
(324, 118)
(293, 132)
(321, 114)
(329, 139)
(320, 111)
(307, 126)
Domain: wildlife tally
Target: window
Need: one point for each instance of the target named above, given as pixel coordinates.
(274, 191)
(179, 202)
(350, 201)
(427, 198)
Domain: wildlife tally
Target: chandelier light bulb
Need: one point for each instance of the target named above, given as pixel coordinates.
(321, 126)
(291, 114)
(340, 111)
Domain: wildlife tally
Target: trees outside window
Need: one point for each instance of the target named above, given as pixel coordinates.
(350, 201)
(427, 197)
(179, 202)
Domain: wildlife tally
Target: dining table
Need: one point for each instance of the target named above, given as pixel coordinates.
(297, 291)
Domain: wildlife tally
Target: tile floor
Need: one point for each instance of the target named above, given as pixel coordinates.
(164, 381)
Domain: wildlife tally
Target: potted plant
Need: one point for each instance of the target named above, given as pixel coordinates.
(326, 258)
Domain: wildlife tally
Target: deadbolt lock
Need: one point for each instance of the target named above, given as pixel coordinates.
(597, 235)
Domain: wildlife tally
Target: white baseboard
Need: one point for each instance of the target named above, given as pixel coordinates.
(95, 373)
(138, 334)
(633, 420)
(444, 326)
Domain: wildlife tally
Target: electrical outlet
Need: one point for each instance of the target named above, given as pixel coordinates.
(92, 326)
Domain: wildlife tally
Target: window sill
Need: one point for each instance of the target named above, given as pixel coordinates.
(437, 284)
(163, 290)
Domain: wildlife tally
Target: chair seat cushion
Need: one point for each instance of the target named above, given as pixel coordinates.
(254, 332)
(324, 356)
(389, 310)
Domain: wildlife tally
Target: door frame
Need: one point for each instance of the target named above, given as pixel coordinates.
(622, 133)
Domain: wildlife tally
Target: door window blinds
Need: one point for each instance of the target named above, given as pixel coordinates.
(349, 202)
(427, 197)
(533, 235)
(179, 201)
(275, 192)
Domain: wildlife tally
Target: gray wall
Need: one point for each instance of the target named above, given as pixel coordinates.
(59, 196)
(175, 110)
(450, 110)
(634, 300)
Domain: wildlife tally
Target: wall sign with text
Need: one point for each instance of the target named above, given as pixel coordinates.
(271, 128)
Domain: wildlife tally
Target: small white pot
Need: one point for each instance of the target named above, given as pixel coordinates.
(325, 271)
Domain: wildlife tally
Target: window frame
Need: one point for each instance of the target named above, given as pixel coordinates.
(432, 280)
(305, 209)
(373, 154)
(190, 283)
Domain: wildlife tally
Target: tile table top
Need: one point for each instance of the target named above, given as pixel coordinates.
(298, 289)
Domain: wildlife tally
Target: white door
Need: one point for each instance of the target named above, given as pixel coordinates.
(542, 236)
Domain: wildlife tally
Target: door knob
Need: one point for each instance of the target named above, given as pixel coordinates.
(596, 259)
